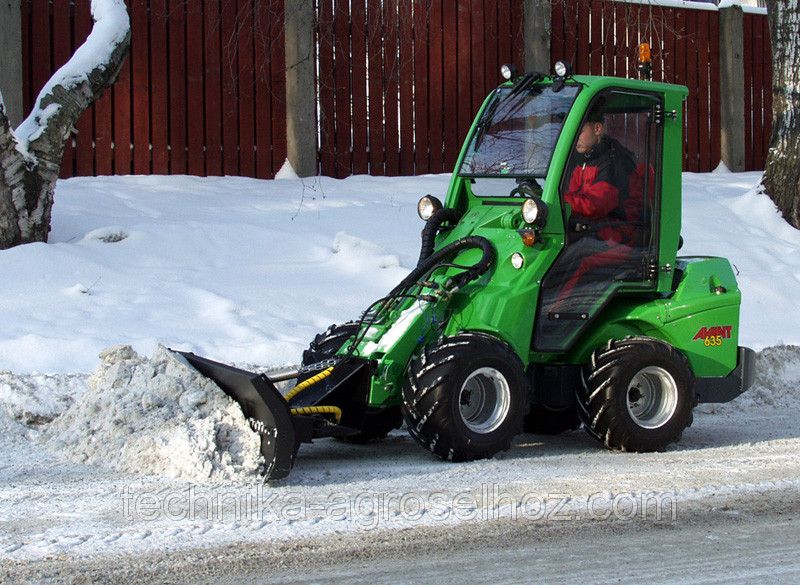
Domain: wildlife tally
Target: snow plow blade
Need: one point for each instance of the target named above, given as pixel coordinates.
(265, 409)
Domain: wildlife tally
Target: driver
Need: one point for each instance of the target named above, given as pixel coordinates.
(601, 234)
(599, 175)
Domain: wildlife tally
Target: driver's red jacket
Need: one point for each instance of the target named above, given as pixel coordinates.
(599, 190)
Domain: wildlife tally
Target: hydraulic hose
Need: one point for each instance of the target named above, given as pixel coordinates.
(305, 410)
(306, 383)
(447, 253)
(431, 229)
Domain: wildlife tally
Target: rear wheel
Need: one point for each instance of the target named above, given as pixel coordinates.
(376, 424)
(465, 397)
(638, 395)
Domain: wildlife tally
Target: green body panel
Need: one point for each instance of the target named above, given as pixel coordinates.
(678, 319)
(504, 301)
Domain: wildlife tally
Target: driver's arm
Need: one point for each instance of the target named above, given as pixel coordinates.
(591, 193)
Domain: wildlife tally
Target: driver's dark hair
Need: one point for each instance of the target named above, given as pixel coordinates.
(595, 115)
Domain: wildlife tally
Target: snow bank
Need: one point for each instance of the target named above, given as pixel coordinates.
(156, 416)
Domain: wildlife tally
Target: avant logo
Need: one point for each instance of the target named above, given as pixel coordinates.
(723, 331)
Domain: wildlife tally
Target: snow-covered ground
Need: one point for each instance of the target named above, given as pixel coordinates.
(246, 272)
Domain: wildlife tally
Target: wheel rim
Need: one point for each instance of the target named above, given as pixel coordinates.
(484, 400)
(652, 397)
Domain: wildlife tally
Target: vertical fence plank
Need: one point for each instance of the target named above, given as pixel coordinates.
(620, 40)
(230, 88)
(557, 32)
(41, 66)
(342, 92)
(140, 44)
(159, 105)
(464, 73)
(692, 65)
(195, 89)
(359, 86)
(570, 11)
(714, 82)
(123, 159)
(517, 33)
(596, 40)
(263, 92)
(212, 87)
(765, 63)
(245, 79)
(422, 13)
(278, 84)
(435, 87)
(582, 64)
(376, 73)
(406, 72)
(177, 75)
(703, 93)
(450, 84)
(758, 101)
(327, 101)
(391, 87)
(607, 11)
(748, 96)
(477, 44)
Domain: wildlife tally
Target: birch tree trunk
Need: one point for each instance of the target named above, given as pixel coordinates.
(782, 172)
(30, 156)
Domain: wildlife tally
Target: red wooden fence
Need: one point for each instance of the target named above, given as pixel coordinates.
(201, 93)
(398, 80)
(757, 91)
(601, 37)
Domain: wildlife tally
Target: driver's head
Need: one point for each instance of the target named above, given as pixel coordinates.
(591, 133)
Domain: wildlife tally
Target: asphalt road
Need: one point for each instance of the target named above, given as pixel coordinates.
(730, 551)
(753, 538)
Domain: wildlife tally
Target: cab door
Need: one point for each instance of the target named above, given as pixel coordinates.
(610, 195)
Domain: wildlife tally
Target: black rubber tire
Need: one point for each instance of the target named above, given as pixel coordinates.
(375, 425)
(545, 421)
(603, 399)
(326, 344)
(431, 393)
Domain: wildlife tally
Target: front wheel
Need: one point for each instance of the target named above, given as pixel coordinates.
(638, 395)
(465, 397)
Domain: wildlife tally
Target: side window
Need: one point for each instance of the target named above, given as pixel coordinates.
(610, 187)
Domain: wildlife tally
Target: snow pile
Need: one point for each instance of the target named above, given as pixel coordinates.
(777, 378)
(156, 416)
(286, 172)
(33, 400)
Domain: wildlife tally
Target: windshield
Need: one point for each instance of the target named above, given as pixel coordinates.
(518, 132)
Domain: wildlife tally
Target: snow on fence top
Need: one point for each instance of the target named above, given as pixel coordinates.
(693, 5)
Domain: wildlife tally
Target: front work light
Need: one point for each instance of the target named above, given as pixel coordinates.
(562, 69)
(534, 212)
(508, 71)
(427, 206)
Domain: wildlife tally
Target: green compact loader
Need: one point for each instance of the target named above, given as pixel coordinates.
(525, 313)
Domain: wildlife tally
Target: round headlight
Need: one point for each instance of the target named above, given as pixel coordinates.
(561, 69)
(427, 206)
(517, 260)
(508, 71)
(534, 212)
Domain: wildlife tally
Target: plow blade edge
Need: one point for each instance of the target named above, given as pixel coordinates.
(265, 409)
